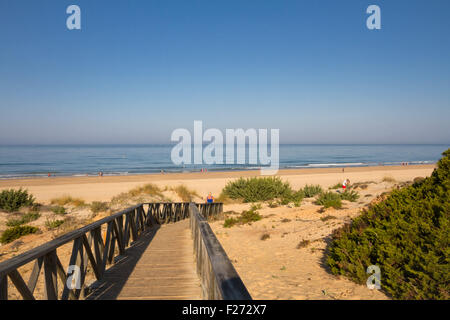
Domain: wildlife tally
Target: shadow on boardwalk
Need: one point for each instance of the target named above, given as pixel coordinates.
(116, 276)
(160, 265)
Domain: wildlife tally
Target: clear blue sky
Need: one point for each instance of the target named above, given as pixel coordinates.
(139, 69)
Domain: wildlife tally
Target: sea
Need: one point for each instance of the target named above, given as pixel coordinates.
(19, 161)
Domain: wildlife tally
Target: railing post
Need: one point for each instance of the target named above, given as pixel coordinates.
(51, 280)
(4, 287)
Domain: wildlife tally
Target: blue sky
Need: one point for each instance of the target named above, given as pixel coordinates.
(140, 69)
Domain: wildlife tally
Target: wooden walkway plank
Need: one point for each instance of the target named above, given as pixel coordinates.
(159, 265)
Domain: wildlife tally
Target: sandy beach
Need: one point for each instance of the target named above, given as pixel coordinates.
(106, 187)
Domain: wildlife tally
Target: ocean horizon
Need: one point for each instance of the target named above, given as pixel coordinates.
(19, 161)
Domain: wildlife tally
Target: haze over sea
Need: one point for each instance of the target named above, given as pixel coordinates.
(18, 161)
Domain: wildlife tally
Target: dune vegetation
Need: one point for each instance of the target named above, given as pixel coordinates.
(406, 235)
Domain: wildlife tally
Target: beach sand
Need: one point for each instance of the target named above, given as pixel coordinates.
(106, 187)
(274, 268)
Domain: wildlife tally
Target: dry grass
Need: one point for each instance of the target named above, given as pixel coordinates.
(184, 193)
(148, 189)
(68, 200)
(98, 206)
(139, 194)
(389, 179)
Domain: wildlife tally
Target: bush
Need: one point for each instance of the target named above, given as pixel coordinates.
(258, 189)
(24, 219)
(12, 200)
(292, 196)
(98, 206)
(349, 195)
(14, 233)
(246, 217)
(229, 222)
(406, 235)
(59, 210)
(53, 224)
(336, 186)
(310, 191)
(329, 199)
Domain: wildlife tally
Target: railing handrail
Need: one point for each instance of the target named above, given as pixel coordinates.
(90, 248)
(224, 282)
(24, 258)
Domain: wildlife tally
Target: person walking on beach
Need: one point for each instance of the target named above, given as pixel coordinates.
(209, 198)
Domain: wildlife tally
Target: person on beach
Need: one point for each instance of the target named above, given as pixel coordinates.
(209, 198)
(345, 184)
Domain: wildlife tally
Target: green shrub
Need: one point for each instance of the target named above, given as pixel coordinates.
(329, 199)
(272, 204)
(98, 206)
(257, 189)
(59, 210)
(292, 196)
(53, 224)
(248, 216)
(310, 191)
(12, 200)
(16, 232)
(336, 186)
(349, 195)
(24, 219)
(406, 236)
(229, 222)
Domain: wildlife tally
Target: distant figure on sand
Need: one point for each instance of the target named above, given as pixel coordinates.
(209, 198)
(345, 184)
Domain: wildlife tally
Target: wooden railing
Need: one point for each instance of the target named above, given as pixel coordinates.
(219, 279)
(95, 246)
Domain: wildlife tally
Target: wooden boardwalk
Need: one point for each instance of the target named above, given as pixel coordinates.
(160, 265)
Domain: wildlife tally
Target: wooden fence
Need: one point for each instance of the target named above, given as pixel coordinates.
(220, 281)
(89, 249)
